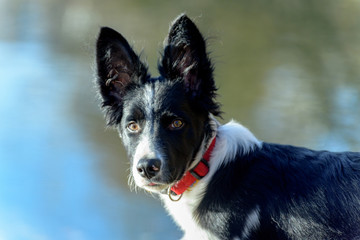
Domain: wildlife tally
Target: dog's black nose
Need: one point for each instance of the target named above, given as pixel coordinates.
(148, 168)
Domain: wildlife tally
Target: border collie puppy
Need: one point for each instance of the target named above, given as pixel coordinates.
(218, 181)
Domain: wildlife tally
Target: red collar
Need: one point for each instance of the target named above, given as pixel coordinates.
(196, 173)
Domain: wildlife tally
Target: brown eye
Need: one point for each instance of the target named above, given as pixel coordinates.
(133, 127)
(176, 124)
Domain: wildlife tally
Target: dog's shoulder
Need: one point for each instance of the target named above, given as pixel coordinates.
(269, 189)
(233, 140)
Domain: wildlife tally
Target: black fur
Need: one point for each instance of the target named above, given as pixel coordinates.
(300, 193)
(185, 57)
(119, 69)
(185, 90)
(268, 192)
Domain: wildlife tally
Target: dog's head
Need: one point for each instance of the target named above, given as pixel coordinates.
(163, 121)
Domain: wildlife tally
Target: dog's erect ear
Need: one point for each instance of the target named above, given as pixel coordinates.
(118, 68)
(185, 58)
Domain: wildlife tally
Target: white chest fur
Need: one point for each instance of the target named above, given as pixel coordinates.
(182, 212)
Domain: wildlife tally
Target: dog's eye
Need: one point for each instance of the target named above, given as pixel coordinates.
(133, 127)
(176, 124)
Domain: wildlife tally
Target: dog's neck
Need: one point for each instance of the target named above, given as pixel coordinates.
(200, 166)
(195, 174)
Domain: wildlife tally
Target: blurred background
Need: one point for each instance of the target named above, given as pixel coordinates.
(288, 70)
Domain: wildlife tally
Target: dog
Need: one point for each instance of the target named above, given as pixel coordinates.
(218, 181)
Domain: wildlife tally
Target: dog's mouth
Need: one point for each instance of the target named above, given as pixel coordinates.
(155, 187)
(161, 183)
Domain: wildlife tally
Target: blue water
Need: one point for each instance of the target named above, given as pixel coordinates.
(53, 185)
(50, 186)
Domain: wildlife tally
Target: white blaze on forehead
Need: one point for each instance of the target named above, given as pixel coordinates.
(149, 95)
(146, 148)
